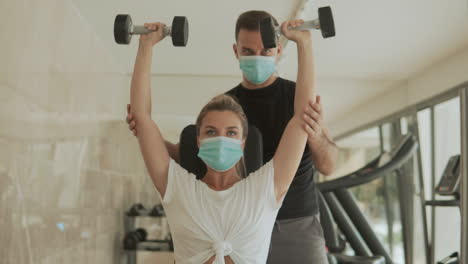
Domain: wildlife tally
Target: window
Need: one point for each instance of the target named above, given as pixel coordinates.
(447, 143)
(438, 128)
(357, 150)
(392, 237)
(425, 145)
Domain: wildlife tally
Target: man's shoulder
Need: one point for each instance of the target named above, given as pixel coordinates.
(233, 91)
(281, 83)
(287, 86)
(287, 82)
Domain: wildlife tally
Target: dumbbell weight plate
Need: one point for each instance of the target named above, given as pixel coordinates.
(180, 30)
(136, 210)
(157, 211)
(327, 25)
(122, 26)
(267, 31)
(142, 234)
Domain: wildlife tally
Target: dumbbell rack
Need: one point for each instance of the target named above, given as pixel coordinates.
(146, 245)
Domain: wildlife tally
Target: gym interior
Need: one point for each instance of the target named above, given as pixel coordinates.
(73, 185)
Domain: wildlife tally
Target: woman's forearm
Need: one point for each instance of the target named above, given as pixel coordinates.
(140, 93)
(305, 83)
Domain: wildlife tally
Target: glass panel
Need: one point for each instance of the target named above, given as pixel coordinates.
(387, 136)
(378, 203)
(404, 125)
(418, 241)
(357, 150)
(392, 219)
(447, 144)
(425, 145)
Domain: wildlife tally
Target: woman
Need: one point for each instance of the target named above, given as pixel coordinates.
(221, 218)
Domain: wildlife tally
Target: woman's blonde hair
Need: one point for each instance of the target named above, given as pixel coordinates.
(226, 103)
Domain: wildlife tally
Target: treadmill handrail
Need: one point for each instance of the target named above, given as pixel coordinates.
(367, 174)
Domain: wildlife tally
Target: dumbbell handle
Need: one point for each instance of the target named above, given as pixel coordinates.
(308, 25)
(141, 30)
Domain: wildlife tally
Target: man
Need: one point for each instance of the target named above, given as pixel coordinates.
(268, 102)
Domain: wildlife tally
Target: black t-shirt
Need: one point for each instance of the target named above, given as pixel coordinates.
(270, 109)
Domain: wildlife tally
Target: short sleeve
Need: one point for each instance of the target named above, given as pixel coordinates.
(178, 181)
(264, 179)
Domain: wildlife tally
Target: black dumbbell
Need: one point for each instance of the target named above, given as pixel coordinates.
(137, 210)
(132, 238)
(124, 29)
(270, 31)
(157, 211)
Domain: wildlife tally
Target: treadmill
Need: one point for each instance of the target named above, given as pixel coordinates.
(339, 210)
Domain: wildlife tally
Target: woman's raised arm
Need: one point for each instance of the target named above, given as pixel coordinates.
(292, 144)
(151, 142)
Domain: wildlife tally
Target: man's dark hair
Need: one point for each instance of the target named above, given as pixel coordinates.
(250, 20)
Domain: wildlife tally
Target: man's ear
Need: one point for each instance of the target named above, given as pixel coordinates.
(234, 48)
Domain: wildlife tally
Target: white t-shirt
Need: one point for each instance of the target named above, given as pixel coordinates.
(236, 222)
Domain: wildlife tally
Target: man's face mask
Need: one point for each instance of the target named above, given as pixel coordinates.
(257, 69)
(220, 153)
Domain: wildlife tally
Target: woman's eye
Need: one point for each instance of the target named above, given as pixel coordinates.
(232, 133)
(210, 132)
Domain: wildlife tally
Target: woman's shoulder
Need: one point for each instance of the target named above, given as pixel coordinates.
(264, 172)
(178, 171)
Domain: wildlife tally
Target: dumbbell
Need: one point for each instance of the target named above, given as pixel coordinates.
(132, 238)
(271, 31)
(157, 211)
(124, 30)
(137, 210)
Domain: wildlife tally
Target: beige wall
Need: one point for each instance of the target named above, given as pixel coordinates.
(436, 79)
(68, 165)
(177, 99)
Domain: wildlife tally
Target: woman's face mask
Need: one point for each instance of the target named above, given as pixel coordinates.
(220, 153)
(257, 69)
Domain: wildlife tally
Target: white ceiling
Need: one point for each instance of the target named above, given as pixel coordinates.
(377, 43)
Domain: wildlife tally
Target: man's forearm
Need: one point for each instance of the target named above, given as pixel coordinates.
(325, 156)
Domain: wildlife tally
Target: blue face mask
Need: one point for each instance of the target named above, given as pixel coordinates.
(257, 69)
(220, 153)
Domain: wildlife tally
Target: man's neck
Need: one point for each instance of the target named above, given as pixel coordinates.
(253, 86)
